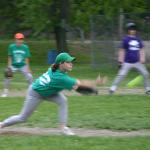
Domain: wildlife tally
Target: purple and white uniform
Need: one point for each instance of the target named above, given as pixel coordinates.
(132, 46)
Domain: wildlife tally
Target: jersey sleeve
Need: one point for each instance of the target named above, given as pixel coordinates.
(69, 82)
(28, 54)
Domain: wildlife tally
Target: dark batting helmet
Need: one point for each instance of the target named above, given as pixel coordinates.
(131, 26)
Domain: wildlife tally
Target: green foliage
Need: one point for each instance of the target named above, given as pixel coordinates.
(36, 14)
(82, 10)
(41, 15)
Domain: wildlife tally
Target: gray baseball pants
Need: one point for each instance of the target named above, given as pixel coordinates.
(24, 71)
(33, 99)
(125, 69)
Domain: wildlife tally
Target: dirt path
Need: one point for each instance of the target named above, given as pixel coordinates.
(78, 131)
(102, 91)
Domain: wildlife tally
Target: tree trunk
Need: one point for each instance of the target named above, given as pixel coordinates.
(60, 36)
(60, 30)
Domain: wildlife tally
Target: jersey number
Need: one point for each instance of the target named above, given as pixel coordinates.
(45, 79)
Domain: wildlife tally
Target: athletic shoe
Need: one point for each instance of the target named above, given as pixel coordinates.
(67, 131)
(111, 92)
(5, 93)
(1, 126)
(147, 92)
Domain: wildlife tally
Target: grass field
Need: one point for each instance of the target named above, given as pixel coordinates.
(117, 112)
(72, 143)
(129, 112)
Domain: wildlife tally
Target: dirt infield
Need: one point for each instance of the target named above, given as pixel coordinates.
(78, 131)
(102, 91)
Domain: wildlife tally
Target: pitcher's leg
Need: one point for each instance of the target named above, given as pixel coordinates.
(61, 101)
(30, 104)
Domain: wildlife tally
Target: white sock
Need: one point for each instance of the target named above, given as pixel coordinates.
(113, 88)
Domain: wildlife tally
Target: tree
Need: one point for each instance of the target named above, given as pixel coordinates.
(60, 29)
(9, 16)
(54, 15)
(47, 14)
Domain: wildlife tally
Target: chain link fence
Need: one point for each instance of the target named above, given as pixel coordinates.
(106, 34)
(102, 45)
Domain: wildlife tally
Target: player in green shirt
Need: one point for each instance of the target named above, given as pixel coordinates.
(18, 60)
(49, 87)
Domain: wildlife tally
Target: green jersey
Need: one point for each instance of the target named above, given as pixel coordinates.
(18, 54)
(53, 82)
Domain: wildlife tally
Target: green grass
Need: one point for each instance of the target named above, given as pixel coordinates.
(113, 112)
(117, 112)
(129, 112)
(72, 143)
(79, 71)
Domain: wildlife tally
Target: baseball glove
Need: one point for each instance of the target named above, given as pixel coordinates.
(8, 72)
(87, 90)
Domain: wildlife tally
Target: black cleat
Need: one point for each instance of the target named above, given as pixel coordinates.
(147, 92)
(111, 92)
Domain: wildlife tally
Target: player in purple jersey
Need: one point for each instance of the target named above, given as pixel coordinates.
(131, 55)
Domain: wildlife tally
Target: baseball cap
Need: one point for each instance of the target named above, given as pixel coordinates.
(64, 57)
(19, 36)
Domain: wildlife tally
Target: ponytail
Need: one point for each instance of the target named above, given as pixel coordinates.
(55, 67)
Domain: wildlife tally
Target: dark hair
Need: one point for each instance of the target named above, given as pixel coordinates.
(54, 67)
